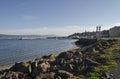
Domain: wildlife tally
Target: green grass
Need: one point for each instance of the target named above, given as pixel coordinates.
(108, 57)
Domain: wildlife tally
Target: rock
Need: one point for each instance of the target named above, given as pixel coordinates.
(53, 68)
(41, 60)
(36, 71)
(28, 77)
(61, 74)
(45, 57)
(21, 67)
(34, 64)
(85, 41)
(90, 62)
(65, 55)
(20, 75)
(60, 61)
(105, 74)
(45, 66)
(78, 53)
(13, 75)
(52, 57)
(65, 65)
(69, 67)
(49, 75)
(97, 48)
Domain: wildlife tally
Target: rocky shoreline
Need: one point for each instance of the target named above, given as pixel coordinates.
(92, 61)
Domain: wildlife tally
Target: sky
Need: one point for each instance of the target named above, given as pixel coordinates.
(57, 17)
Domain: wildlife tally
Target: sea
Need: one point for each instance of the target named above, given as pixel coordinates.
(12, 51)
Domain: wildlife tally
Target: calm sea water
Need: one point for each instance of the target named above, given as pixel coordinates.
(12, 51)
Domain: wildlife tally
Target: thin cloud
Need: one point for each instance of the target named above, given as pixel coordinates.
(107, 27)
(116, 24)
(62, 31)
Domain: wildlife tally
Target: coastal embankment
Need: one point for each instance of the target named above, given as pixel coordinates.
(92, 59)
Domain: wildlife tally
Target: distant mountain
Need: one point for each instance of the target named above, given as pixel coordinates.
(112, 32)
(3, 36)
(82, 35)
(104, 33)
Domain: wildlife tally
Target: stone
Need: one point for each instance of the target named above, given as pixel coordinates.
(60, 61)
(21, 67)
(90, 62)
(61, 74)
(52, 57)
(65, 55)
(34, 64)
(28, 77)
(13, 75)
(45, 66)
(36, 71)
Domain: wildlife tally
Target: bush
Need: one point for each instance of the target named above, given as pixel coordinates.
(96, 69)
(105, 57)
(93, 74)
(93, 78)
(104, 68)
(111, 64)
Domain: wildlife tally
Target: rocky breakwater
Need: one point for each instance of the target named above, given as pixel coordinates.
(72, 64)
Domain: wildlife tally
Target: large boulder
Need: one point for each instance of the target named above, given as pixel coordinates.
(60, 62)
(65, 55)
(13, 75)
(21, 67)
(45, 66)
(85, 41)
(52, 57)
(34, 64)
(48, 75)
(61, 74)
(36, 71)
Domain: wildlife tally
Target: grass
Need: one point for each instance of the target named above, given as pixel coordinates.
(109, 61)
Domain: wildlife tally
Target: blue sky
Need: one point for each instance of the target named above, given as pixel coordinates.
(58, 17)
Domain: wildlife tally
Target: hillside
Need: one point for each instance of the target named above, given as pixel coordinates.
(112, 32)
(115, 31)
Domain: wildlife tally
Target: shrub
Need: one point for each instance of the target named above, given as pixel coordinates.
(93, 74)
(104, 68)
(111, 64)
(105, 57)
(93, 78)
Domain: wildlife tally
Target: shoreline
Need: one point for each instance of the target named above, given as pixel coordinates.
(90, 61)
(57, 53)
(5, 67)
(26, 50)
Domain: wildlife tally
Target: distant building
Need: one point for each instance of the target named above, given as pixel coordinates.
(115, 31)
(105, 33)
